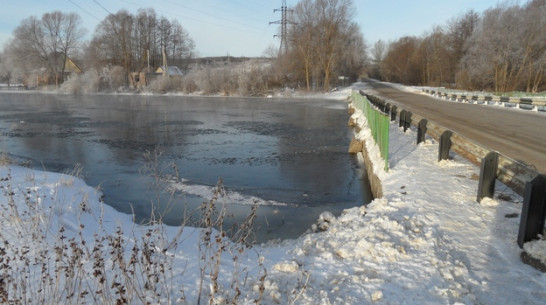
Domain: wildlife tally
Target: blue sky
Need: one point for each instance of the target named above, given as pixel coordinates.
(241, 27)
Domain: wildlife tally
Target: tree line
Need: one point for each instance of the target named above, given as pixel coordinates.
(501, 50)
(139, 41)
(122, 40)
(323, 44)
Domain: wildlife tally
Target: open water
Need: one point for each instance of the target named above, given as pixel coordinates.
(287, 155)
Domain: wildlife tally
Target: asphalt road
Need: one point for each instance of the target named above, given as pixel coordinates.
(518, 134)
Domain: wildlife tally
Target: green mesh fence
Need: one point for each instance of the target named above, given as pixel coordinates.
(378, 122)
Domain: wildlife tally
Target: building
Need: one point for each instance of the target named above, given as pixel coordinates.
(170, 71)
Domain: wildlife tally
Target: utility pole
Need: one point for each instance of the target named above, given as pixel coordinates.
(284, 27)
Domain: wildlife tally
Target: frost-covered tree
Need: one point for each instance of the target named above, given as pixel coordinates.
(45, 43)
(6, 69)
(507, 50)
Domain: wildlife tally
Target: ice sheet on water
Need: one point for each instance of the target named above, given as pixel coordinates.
(227, 196)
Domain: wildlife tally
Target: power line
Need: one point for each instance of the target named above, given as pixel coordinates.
(81, 8)
(206, 13)
(256, 14)
(97, 2)
(237, 26)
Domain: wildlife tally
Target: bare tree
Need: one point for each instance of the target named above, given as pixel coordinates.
(334, 22)
(459, 30)
(324, 42)
(145, 38)
(303, 40)
(182, 46)
(399, 63)
(533, 70)
(6, 69)
(353, 54)
(506, 52)
(377, 52)
(28, 51)
(63, 33)
(504, 49)
(437, 67)
(134, 42)
(46, 43)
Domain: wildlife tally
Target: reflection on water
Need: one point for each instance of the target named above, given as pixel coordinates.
(289, 155)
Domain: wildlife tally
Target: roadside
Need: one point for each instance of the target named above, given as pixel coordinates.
(425, 242)
(515, 134)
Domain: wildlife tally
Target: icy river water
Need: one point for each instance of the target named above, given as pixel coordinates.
(288, 155)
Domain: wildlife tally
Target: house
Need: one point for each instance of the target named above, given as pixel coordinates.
(170, 71)
(40, 77)
(71, 67)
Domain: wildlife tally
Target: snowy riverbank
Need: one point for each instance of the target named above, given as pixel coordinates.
(426, 241)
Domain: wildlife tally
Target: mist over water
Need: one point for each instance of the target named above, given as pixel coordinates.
(288, 156)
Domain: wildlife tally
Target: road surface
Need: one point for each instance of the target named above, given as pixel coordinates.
(518, 134)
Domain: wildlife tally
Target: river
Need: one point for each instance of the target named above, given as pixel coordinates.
(288, 155)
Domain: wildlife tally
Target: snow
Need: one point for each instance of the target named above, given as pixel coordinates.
(205, 191)
(427, 241)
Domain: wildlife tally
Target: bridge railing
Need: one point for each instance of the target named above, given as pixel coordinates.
(528, 103)
(378, 122)
(522, 179)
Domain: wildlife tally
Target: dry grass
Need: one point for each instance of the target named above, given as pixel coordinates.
(42, 262)
(4, 159)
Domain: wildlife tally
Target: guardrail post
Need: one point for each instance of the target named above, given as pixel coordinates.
(488, 175)
(445, 145)
(533, 211)
(504, 100)
(407, 121)
(380, 104)
(393, 113)
(422, 131)
(402, 118)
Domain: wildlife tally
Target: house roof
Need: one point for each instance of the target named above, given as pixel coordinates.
(71, 66)
(171, 71)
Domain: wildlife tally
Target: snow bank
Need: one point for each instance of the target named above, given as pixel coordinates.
(426, 241)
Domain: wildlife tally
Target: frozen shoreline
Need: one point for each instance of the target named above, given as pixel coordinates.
(425, 242)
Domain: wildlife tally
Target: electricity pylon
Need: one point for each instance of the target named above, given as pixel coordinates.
(284, 27)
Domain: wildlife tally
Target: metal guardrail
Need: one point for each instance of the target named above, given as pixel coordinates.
(493, 166)
(527, 103)
(378, 122)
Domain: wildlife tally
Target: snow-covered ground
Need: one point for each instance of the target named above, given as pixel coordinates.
(427, 241)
